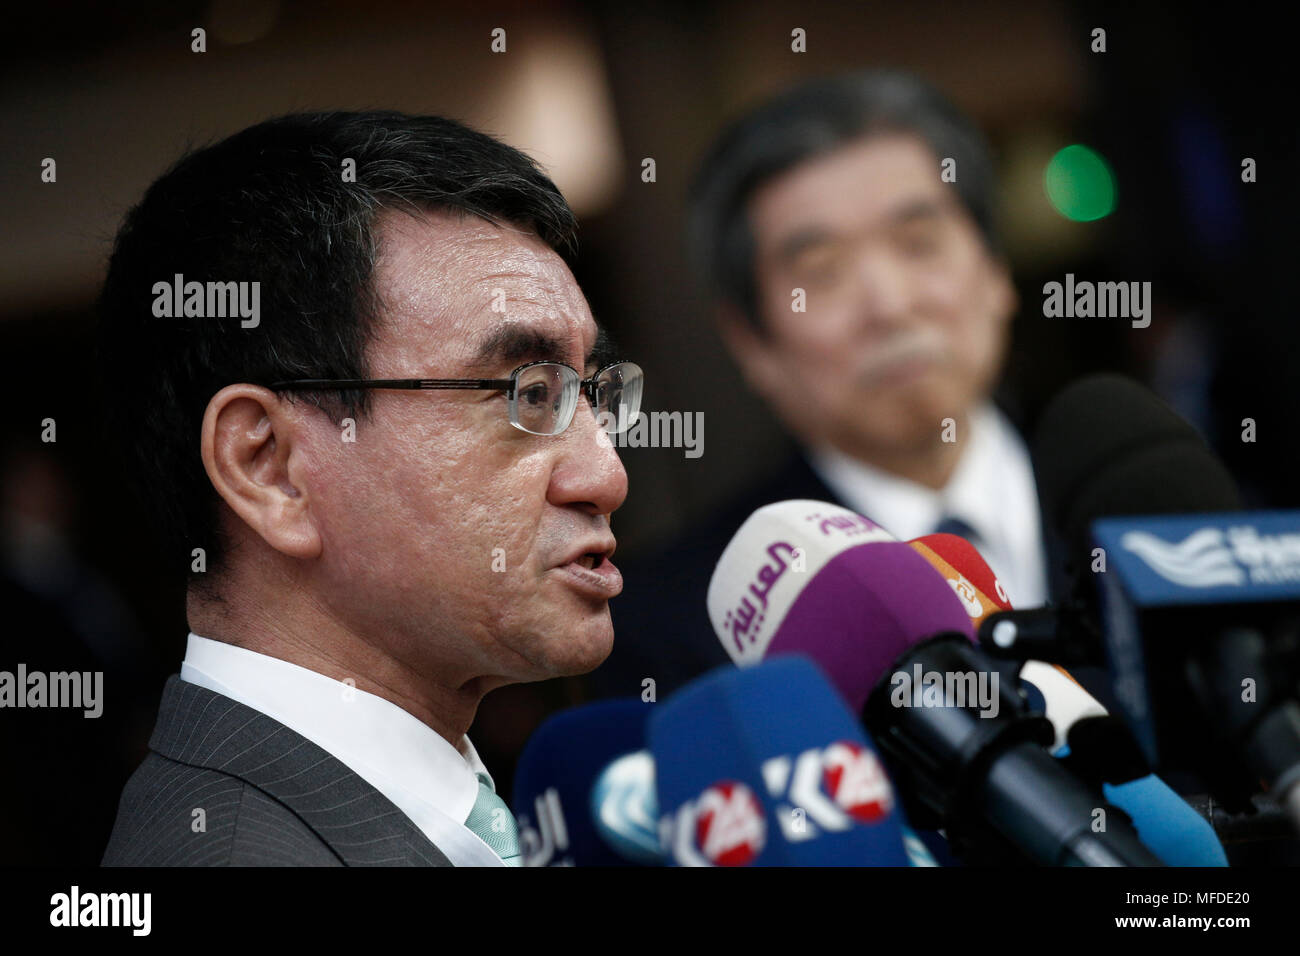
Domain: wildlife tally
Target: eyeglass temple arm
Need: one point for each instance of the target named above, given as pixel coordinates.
(404, 383)
(588, 385)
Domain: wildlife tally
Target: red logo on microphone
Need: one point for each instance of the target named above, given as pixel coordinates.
(1002, 592)
(857, 782)
(729, 826)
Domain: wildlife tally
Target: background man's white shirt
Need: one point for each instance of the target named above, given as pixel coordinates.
(406, 760)
(992, 489)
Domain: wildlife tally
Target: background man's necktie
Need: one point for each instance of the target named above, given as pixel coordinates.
(492, 822)
(954, 525)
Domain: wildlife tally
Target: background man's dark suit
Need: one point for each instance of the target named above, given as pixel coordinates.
(269, 797)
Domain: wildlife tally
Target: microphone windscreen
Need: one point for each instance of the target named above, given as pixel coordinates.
(967, 561)
(1108, 446)
(863, 611)
(556, 781)
(977, 604)
(765, 566)
(766, 766)
(852, 598)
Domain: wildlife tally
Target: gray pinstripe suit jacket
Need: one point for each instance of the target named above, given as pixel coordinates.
(270, 797)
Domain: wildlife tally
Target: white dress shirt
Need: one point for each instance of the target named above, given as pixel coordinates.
(403, 758)
(992, 489)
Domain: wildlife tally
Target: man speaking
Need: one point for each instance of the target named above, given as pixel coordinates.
(346, 358)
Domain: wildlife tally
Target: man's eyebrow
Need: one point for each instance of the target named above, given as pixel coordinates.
(915, 210)
(918, 209)
(796, 242)
(517, 345)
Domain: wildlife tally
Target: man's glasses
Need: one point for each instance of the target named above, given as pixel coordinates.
(542, 396)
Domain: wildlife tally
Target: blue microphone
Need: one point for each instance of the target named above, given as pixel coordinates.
(584, 789)
(765, 766)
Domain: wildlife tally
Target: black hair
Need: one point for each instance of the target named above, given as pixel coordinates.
(275, 204)
(809, 120)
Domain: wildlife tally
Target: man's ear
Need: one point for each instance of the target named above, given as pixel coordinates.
(247, 447)
(756, 356)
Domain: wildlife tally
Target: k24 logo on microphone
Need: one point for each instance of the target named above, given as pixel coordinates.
(823, 789)
(729, 826)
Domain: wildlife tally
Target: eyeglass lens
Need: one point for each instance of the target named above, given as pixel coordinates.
(546, 396)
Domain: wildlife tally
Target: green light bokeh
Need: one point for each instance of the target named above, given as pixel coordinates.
(1080, 184)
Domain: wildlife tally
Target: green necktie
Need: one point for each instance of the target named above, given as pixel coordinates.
(493, 823)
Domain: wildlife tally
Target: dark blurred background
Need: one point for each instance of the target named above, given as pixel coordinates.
(113, 93)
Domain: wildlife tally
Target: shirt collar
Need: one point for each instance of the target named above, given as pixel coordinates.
(380, 741)
(992, 489)
(909, 509)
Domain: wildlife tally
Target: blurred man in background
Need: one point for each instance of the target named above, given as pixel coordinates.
(846, 231)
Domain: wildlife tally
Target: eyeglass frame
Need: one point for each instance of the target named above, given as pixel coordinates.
(586, 387)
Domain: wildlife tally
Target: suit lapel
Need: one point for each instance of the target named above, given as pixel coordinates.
(204, 729)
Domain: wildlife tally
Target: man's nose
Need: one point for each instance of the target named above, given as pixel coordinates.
(884, 288)
(588, 471)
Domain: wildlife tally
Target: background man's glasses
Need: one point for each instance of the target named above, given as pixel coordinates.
(542, 396)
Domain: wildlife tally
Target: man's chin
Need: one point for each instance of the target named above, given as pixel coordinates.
(911, 418)
(584, 648)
